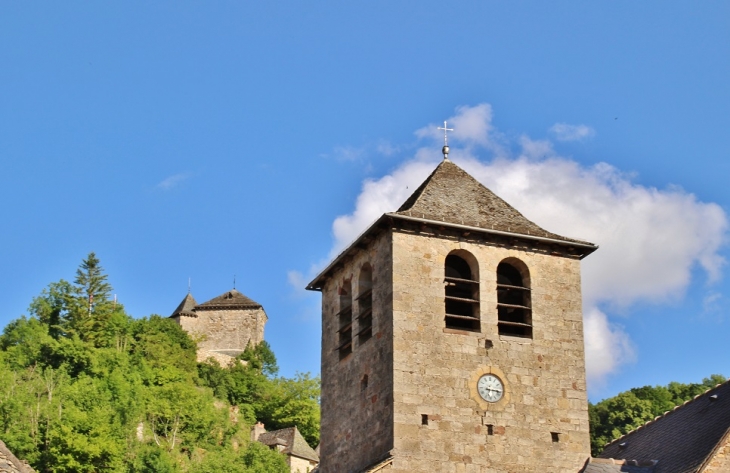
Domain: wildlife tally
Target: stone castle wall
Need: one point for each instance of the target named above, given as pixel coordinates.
(436, 369)
(357, 419)
(300, 465)
(720, 462)
(223, 334)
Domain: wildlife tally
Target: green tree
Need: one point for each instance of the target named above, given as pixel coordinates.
(293, 402)
(92, 282)
(618, 415)
(86, 388)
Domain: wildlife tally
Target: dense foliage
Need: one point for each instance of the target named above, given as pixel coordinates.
(618, 415)
(85, 388)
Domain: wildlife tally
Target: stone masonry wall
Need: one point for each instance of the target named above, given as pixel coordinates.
(720, 462)
(436, 369)
(224, 330)
(300, 465)
(357, 420)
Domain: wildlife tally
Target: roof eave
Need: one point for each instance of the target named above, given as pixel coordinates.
(304, 457)
(227, 307)
(589, 247)
(316, 284)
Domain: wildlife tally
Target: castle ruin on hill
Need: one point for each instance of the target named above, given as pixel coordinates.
(222, 326)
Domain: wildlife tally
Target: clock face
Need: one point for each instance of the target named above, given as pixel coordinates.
(490, 388)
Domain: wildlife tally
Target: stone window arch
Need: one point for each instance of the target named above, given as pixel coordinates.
(514, 301)
(344, 316)
(461, 291)
(365, 304)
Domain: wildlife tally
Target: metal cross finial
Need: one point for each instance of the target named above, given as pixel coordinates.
(446, 138)
(445, 149)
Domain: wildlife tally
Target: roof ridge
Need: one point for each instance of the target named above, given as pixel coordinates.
(661, 416)
(232, 298)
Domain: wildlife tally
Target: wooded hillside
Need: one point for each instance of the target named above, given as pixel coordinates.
(84, 387)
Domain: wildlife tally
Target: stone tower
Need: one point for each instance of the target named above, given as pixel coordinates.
(452, 340)
(223, 326)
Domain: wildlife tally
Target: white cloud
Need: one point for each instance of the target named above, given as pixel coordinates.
(172, 181)
(349, 153)
(601, 338)
(377, 197)
(650, 239)
(566, 132)
(712, 305)
(471, 125)
(297, 280)
(386, 148)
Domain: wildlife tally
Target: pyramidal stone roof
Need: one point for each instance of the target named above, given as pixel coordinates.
(683, 439)
(229, 300)
(186, 307)
(451, 195)
(293, 442)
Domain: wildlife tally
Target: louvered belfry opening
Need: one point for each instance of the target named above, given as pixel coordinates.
(513, 300)
(365, 305)
(461, 295)
(344, 345)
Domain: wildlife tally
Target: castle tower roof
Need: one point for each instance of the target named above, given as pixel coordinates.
(186, 307)
(229, 300)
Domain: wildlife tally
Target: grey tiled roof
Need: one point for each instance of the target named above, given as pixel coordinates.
(293, 442)
(186, 307)
(229, 300)
(600, 465)
(682, 439)
(9, 463)
(451, 195)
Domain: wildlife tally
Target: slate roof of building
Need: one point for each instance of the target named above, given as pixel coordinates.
(600, 465)
(451, 195)
(377, 467)
(9, 463)
(229, 300)
(683, 439)
(186, 307)
(293, 442)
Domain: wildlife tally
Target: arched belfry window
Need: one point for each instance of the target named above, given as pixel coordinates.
(513, 299)
(365, 305)
(461, 296)
(344, 316)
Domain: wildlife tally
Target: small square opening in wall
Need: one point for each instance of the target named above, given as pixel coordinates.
(490, 429)
(424, 419)
(555, 436)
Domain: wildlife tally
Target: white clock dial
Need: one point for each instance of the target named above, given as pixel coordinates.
(490, 388)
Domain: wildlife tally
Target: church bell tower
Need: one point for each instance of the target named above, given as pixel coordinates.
(452, 340)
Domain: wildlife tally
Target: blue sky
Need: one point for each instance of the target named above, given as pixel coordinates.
(205, 140)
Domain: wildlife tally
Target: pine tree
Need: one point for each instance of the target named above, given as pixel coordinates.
(92, 282)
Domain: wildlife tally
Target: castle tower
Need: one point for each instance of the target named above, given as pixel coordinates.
(223, 326)
(452, 340)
